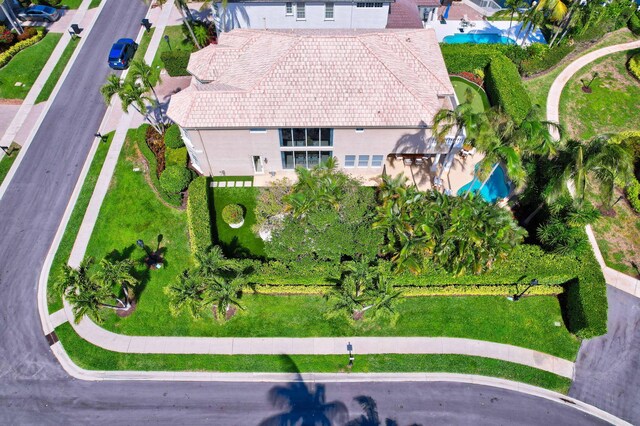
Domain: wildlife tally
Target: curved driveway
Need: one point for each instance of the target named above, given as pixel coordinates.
(33, 387)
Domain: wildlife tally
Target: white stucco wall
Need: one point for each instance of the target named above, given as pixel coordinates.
(230, 152)
(273, 16)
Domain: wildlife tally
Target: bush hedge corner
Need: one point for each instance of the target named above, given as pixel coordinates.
(634, 23)
(634, 65)
(173, 138)
(175, 62)
(176, 157)
(198, 216)
(174, 179)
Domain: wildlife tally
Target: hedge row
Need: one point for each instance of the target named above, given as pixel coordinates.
(175, 157)
(8, 54)
(633, 194)
(634, 65)
(634, 23)
(173, 199)
(585, 300)
(198, 217)
(502, 79)
(484, 290)
(545, 61)
(175, 62)
(504, 88)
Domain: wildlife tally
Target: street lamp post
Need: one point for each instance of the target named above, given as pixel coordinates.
(351, 357)
(534, 282)
(166, 38)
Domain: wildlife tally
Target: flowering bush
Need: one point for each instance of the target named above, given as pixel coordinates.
(6, 56)
(6, 36)
(474, 78)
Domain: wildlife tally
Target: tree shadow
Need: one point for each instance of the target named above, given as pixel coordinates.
(141, 274)
(303, 404)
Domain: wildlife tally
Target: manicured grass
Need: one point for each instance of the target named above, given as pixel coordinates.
(528, 323)
(242, 241)
(66, 244)
(71, 4)
(94, 3)
(6, 162)
(538, 87)
(178, 42)
(93, 358)
(612, 107)
(57, 71)
(479, 102)
(25, 68)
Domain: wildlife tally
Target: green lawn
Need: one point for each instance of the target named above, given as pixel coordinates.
(71, 4)
(242, 241)
(6, 162)
(178, 42)
(94, 3)
(66, 244)
(479, 102)
(57, 71)
(93, 358)
(538, 87)
(142, 49)
(25, 68)
(612, 107)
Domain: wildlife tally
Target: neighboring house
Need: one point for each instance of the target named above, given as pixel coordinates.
(265, 102)
(266, 14)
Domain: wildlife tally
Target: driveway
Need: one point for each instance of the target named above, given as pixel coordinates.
(608, 367)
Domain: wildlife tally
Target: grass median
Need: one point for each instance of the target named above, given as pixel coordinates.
(57, 70)
(92, 357)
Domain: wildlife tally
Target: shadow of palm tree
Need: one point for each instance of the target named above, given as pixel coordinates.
(303, 404)
(370, 416)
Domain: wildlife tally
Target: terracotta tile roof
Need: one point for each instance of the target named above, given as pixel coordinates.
(404, 14)
(257, 78)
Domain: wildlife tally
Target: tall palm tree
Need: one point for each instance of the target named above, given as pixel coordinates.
(187, 18)
(513, 7)
(461, 118)
(533, 19)
(118, 273)
(143, 73)
(130, 94)
(497, 152)
(87, 299)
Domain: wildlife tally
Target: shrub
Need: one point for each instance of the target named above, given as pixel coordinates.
(232, 214)
(634, 65)
(175, 62)
(176, 157)
(550, 58)
(504, 88)
(634, 23)
(633, 194)
(6, 36)
(6, 56)
(174, 179)
(173, 138)
(198, 216)
(27, 33)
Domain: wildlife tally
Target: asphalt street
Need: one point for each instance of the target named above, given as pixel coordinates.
(35, 390)
(608, 367)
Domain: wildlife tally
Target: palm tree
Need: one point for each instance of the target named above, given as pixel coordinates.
(461, 118)
(189, 294)
(496, 152)
(87, 299)
(118, 273)
(143, 73)
(533, 19)
(224, 294)
(183, 8)
(130, 94)
(513, 6)
(212, 263)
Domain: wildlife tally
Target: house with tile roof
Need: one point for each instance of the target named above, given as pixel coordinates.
(303, 14)
(265, 102)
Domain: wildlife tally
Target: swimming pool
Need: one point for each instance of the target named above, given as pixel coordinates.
(477, 38)
(496, 188)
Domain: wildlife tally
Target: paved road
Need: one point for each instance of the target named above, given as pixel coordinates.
(33, 387)
(608, 367)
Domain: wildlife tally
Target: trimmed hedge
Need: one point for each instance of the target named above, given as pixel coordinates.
(634, 23)
(502, 80)
(198, 216)
(633, 194)
(173, 138)
(545, 61)
(585, 300)
(175, 62)
(484, 290)
(176, 157)
(8, 54)
(634, 65)
(504, 88)
(174, 179)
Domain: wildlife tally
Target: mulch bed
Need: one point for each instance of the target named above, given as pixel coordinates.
(155, 142)
(125, 313)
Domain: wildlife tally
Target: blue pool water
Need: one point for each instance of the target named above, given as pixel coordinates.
(478, 38)
(495, 189)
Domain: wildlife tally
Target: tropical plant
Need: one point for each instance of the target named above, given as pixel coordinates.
(130, 94)
(513, 7)
(188, 293)
(118, 273)
(224, 294)
(531, 20)
(142, 73)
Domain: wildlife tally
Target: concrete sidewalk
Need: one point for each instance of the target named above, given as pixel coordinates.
(614, 278)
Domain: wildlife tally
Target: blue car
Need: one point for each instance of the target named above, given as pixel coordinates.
(121, 53)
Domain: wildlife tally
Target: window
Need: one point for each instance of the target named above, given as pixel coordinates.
(363, 161)
(257, 164)
(376, 161)
(359, 130)
(289, 9)
(305, 137)
(349, 160)
(369, 4)
(305, 147)
(300, 13)
(307, 159)
(328, 11)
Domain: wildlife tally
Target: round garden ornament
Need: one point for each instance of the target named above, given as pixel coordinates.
(233, 215)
